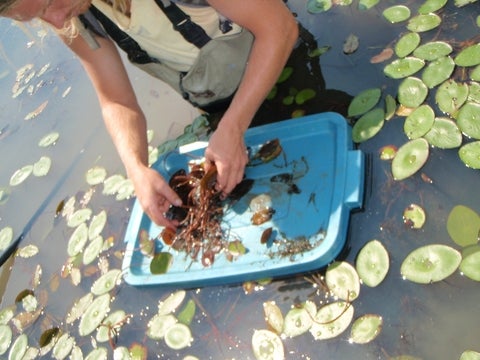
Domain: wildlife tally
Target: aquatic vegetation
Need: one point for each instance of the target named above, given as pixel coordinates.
(410, 158)
(365, 329)
(372, 263)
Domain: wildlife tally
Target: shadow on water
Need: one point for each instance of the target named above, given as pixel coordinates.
(436, 321)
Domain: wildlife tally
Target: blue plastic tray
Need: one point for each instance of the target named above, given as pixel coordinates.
(309, 225)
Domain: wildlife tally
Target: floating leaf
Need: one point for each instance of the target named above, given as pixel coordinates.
(438, 71)
(407, 44)
(318, 6)
(159, 324)
(368, 125)
(388, 152)
(390, 106)
(298, 320)
(6, 237)
(97, 224)
(18, 348)
(95, 175)
(350, 45)
(444, 134)
(106, 282)
(401, 68)
(111, 324)
(414, 216)
(125, 191)
(475, 73)
(419, 122)
(470, 264)
(267, 345)
(94, 315)
(396, 13)
(424, 22)
(5, 338)
(178, 336)
(331, 320)
(161, 263)
(21, 175)
(372, 263)
(285, 75)
(77, 240)
(469, 56)
(42, 166)
(123, 353)
(412, 92)
(474, 92)
(185, 316)
(79, 217)
(366, 328)
(99, 353)
(27, 251)
(410, 157)
(460, 3)
(384, 55)
(451, 95)
(79, 308)
(48, 336)
(342, 280)
(92, 250)
(49, 139)
(430, 263)
(463, 225)
(171, 302)
(273, 316)
(37, 111)
(470, 355)
(319, 51)
(367, 4)
(433, 50)
(430, 6)
(63, 346)
(304, 95)
(364, 101)
(470, 154)
(112, 183)
(468, 119)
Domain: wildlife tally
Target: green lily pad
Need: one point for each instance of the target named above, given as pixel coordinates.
(430, 263)
(6, 237)
(460, 3)
(367, 4)
(97, 224)
(388, 152)
(468, 119)
(451, 95)
(112, 323)
(112, 183)
(99, 353)
(125, 190)
(407, 44)
(390, 106)
(444, 134)
(49, 139)
(342, 280)
(470, 154)
(298, 320)
(5, 338)
(318, 6)
(463, 225)
(94, 315)
(475, 73)
(42, 166)
(161, 263)
(21, 175)
(123, 353)
(419, 122)
(470, 355)
(77, 240)
(273, 316)
(93, 249)
(95, 175)
(412, 92)
(372, 263)
(474, 92)
(106, 282)
(396, 13)
(304, 95)
(331, 320)
(433, 50)
(438, 71)
(414, 216)
(79, 217)
(404, 67)
(185, 316)
(410, 157)
(267, 345)
(469, 56)
(178, 336)
(171, 302)
(430, 6)
(63, 346)
(364, 101)
(366, 328)
(424, 22)
(79, 308)
(159, 324)
(368, 125)
(18, 348)
(470, 265)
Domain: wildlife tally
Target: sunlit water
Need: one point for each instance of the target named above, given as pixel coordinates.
(437, 321)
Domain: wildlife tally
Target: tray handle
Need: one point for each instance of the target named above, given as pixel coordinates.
(355, 179)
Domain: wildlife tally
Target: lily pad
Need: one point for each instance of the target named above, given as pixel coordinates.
(161, 263)
(95, 175)
(6, 237)
(49, 139)
(125, 190)
(97, 224)
(21, 175)
(430, 6)
(267, 345)
(63, 346)
(342, 280)
(451, 95)
(186, 315)
(178, 336)
(470, 355)
(5, 338)
(463, 225)
(388, 152)
(79, 308)
(412, 92)
(42, 166)
(469, 56)
(106, 282)
(430, 263)
(77, 240)
(372, 263)
(364, 102)
(79, 217)
(367, 4)
(414, 216)
(410, 157)
(273, 316)
(318, 6)
(18, 348)
(159, 324)
(111, 324)
(475, 73)
(419, 122)
(424, 22)
(304, 95)
(390, 106)
(470, 154)
(474, 92)
(93, 249)
(112, 183)
(331, 320)
(366, 328)
(396, 13)
(404, 67)
(368, 125)
(94, 315)
(444, 134)
(468, 119)
(407, 44)
(470, 265)
(433, 50)
(438, 71)
(171, 302)
(298, 320)
(99, 353)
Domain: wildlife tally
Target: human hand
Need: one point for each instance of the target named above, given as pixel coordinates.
(155, 196)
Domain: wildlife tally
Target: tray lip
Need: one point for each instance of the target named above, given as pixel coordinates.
(231, 274)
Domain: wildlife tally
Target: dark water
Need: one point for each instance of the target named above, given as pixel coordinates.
(437, 321)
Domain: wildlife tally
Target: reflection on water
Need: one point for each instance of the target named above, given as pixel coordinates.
(438, 321)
